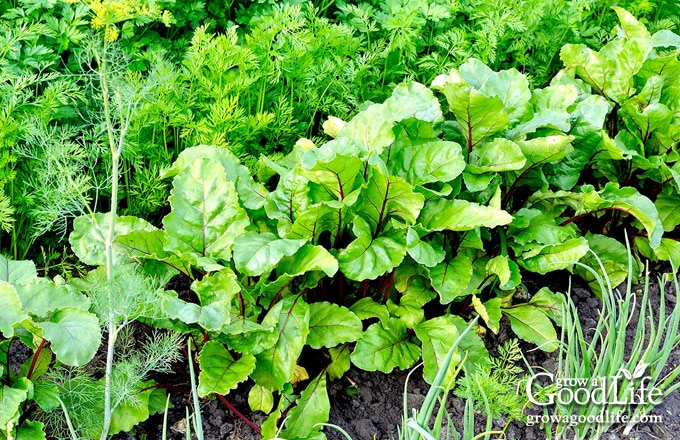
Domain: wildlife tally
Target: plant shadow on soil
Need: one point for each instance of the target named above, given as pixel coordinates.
(376, 409)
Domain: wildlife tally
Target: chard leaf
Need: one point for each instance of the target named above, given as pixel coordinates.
(90, 234)
(479, 116)
(380, 349)
(612, 254)
(252, 195)
(423, 252)
(145, 247)
(367, 257)
(451, 278)
(629, 24)
(337, 175)
(276, 365)
(12, 310)
(311, 410)
(206, 217)
(427, 162)
(531, 324)
(340, 362)
(496, 156)
(546, 149)
(550, 107)
(472, 345)
(260, 399)
(331, 325)
(669, 250)
(367, 308)
(548, 258)
(610, 71)
(10, 402)
(220, 372)
(215, 292)
(550, 303)
(257, 254)
(386, 197)
(42, 297)
(290, 197)
(74, 335)
(668, 206)
(460, 215)
(510, 86)
(317, 219)
(16, 272)
(437, 335)
(309, 258)
(532, 225)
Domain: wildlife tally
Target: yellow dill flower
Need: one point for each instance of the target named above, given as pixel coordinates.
(111, 33)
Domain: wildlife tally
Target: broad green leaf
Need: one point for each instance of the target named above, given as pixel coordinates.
(384, 350)
(612, 254)
(437, 335)
(16, 272)
(510, 86)
(423, 252)
(531, 324)
(340, 362)
(12, 310)
(310, 224)
(290, 197)
(500, 266)
(41, 363)
(45, 394)
(252, 195)
(367, 308)
(479, 116)
(427, 162)
(368, 257)
(337, 175)
(257, 254)
(311, 409)
(175, 308)
(31, 430)
(460, 215)
(550, 110)
(550, 303)
(215, 292)
(90, 235)
(492, 308)
(546, 149)
(309, 258)
(144, 245)
(629, 200)
(206, 217)
(451, 278)
(42, 297)
(331, 325)
(130, 412)
(74, 335)
(386, 197)
(260, 399)
(220, 372)
(669, 250)
(276, 365)
(247, 336)
(10, 402)
(610, 71)
(629, 24)
(539, 226)
(495, 156)
(548, 258)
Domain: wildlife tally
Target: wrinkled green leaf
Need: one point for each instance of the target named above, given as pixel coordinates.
(451, 278)
(276, 365)
(42, 297)
(206, 218)
(16, 272)
(74, 335)
(461, 215)
(531, 324)
(257, 254)
(311, 409)
(384, 350)
(220, 372)
(12, 310)
(260, 399)
(437, 335)
(331, 325)
(427, 162)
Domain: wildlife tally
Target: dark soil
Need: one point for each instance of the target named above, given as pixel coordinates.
(376, 410)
